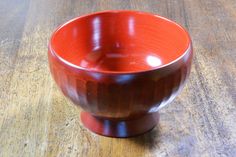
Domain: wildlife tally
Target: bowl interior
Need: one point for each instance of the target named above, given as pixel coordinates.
(119, 41)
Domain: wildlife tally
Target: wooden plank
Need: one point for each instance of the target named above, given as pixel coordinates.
(37, 120)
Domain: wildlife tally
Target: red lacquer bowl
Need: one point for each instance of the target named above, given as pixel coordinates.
(121, 67)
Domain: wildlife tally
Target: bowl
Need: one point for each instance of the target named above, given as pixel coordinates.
(120, 67)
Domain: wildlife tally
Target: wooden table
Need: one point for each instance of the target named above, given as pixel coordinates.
(37, 120)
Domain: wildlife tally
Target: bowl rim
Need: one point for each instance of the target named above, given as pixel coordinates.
(186, 51)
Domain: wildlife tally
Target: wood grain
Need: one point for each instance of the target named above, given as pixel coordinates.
(37, 120)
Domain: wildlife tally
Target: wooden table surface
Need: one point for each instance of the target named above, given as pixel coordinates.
(37, 120)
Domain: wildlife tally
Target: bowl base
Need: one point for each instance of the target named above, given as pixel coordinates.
(119, 128)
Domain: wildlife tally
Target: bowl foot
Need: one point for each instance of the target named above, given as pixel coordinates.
(119, 128)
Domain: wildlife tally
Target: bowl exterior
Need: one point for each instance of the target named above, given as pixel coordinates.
(121, 95)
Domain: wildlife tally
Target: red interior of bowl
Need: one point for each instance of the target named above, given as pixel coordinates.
(119, 41)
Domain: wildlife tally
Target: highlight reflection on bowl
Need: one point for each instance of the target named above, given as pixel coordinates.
(121, 67)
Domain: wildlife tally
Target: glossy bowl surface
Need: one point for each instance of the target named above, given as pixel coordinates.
(121, 67)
